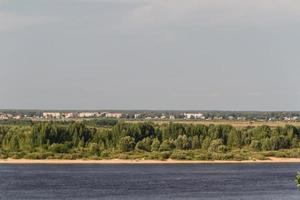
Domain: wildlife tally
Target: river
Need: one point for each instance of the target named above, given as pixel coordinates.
(149, 181)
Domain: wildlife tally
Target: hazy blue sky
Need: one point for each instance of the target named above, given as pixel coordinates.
(150, 54)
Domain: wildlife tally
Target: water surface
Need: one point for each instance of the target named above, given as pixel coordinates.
(155, 181)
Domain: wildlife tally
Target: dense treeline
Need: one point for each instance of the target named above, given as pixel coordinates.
(249, 115)
(147, 140)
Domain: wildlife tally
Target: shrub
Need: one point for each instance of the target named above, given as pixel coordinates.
(255, 145)
(105, 154)
(179, 155)
(126, 144)
(298, 180)
(155, 145)
(214, 145)
(165, 155)
(154, 155)
(59, 148)
(144, 145)
(94, 149)
(182, 142)
(166, 145)
(38, 156)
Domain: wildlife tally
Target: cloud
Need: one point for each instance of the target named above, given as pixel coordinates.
(215, 12)
(11, 22)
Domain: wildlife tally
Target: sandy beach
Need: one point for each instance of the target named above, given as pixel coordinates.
(121, 161)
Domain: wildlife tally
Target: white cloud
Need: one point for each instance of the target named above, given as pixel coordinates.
(11, 22)
(215, 12)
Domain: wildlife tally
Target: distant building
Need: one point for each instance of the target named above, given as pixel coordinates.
(291, 118)
(17, 117)
(194, 116)
(113, 115)
(163, 117)
(241, 118)
(295, 118)
(87, 114)
(69, 115)
(231, 118)
(172, 117)
(137, 116)
(9, 115)
(218, 118)
(51, 115)
(3, 116)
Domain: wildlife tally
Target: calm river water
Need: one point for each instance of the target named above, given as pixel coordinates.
(180, 181)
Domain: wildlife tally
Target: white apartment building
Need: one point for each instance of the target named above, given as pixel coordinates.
(87, 114)
(194, 116)
(48, 115)
(113, 115)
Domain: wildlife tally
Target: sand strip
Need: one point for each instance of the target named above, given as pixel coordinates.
(169, 161)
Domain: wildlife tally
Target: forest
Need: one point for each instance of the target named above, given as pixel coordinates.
(121, 140)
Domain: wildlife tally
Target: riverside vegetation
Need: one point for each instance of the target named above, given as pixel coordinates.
(110, 139)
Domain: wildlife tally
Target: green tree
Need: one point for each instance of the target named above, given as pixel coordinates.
(126, 144)
(144, 145)
(214, 145)
(167, 145)
(182, 142)
(195, 142)
(94, 149)
(255, 145)
(155, 145)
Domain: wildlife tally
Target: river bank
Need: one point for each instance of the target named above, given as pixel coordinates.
(123, 161)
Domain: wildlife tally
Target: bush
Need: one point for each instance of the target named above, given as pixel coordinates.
(203, 156)
(144, 145)
(105, 154)
(222, 149)
(281, 154)
(182, 142)
(126, 144)
(259, 157)
(298, 180)
(94, 149)
(214, 145)
(38, 156)
(123, 156)
(255, 145)
(166, 145)
(165, 155)
(155, 145)
(179, 155)
(154, 155)
(59, 148)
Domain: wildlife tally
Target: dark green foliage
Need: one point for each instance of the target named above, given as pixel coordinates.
(155, 145)
(182, 142)
(126, 144)
(298, 180)
(255, 145)
(144, 145)
(59, 148)
(94, 149)
(167, 145)
(102, 122)
(80, 140)
(195, 142)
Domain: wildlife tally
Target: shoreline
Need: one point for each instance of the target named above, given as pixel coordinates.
(169, 161)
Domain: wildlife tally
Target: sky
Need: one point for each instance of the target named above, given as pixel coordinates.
(150, 54)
